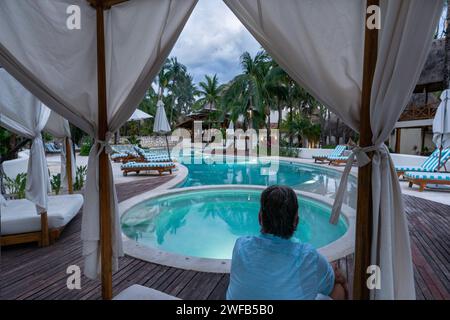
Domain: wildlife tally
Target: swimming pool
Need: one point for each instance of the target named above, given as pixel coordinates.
(205, 223)
(302, 177)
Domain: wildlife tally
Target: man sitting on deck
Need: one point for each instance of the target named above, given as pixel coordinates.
(273, 267)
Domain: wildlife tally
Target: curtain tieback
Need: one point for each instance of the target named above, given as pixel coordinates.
(104, 144)
(362, 159)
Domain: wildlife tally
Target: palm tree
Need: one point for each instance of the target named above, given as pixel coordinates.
(209, 92)
(246, 94)
(278, 88)
(176, 72)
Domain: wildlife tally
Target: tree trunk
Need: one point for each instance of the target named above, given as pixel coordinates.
(269, 151)
(290, 126)
(280, 114)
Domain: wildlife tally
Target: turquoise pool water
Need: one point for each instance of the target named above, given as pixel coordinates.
(303, 177)
(207, 223)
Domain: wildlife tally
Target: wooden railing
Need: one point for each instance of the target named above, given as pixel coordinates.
(414, 112)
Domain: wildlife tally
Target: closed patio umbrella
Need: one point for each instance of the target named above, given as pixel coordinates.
(441, 124)
(161, 125)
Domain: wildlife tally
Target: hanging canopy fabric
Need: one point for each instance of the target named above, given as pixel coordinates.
(161, 124)
(441, 122)
(139, 115)
(34, 34)
(59, 128)
(320, 44)
(25, 115)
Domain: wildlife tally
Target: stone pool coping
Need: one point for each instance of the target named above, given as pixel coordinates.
(333, 251)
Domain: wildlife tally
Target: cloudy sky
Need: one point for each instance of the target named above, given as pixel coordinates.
(213, 41)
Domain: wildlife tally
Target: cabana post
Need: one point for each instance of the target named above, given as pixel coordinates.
(103, 178)
(364, 214)
(69, 165)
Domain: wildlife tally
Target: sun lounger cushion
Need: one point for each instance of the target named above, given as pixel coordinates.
(428, 175)
(19, 216)
(119, 155)
(138, 292)
(431, 163)
(156, 158)
(338, 158)
(412, 168)
(137, 165)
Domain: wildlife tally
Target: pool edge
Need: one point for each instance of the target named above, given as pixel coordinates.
(335, 250)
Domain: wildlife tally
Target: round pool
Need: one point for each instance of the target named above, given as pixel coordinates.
(205, 223)
(205, 171)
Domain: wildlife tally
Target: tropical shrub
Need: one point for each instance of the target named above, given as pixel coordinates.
(16, 186)
(85, 147)
(134, 140)
(80, 177)
(55, 182)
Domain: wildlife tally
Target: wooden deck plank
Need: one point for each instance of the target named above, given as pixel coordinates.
(30, 272)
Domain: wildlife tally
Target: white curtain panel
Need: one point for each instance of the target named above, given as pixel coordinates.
(320, 44)
(441, 122)
(25, 115)
(59, 66)
(59, 128)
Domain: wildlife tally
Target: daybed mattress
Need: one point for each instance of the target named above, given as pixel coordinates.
(19, 216)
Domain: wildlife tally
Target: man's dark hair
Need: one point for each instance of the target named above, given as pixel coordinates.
(279, 209)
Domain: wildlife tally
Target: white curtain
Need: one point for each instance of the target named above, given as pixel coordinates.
(139, 35)
(59, 128)
(320, 44)
(23, 114)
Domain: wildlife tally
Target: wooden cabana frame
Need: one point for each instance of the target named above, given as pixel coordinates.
(364, 214)
(364, 204)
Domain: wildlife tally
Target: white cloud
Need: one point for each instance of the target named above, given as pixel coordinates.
(212, 42)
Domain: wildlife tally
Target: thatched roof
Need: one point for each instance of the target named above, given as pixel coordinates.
(432, 76)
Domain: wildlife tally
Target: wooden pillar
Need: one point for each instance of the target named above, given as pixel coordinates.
(422, 138)
(398, 139)
(103, 173)
(45, 239)
(364, 206)
(69, 165)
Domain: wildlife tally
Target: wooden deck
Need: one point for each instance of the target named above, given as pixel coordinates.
(29, 272)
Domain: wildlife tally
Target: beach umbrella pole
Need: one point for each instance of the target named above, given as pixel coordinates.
(168, 149)
(363, 234)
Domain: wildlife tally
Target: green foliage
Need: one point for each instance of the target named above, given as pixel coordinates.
(55, 182)
(47, 137)
(80, 177)
(5, 137)
(328, 146)
(134, 140)
(301, 126)
(86, 147)
(288, 152)
(17, 185)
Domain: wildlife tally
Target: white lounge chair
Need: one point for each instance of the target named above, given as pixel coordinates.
(138, 292)
(21, 224)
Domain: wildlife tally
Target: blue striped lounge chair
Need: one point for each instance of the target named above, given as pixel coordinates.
(424, 178)
(152, 155)
(336, 153)
(121, 153)
(147, 166)
(431, 164)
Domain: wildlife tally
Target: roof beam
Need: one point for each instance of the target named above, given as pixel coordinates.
(106, 4)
